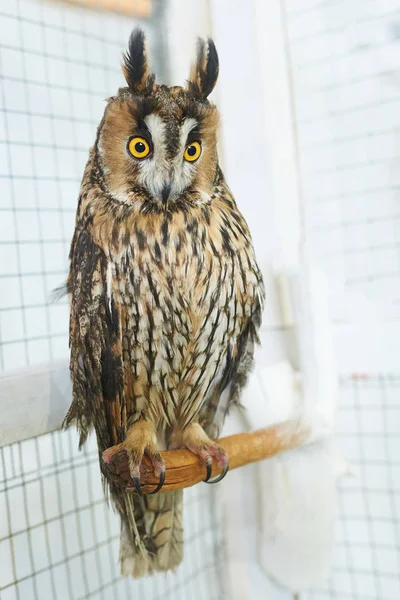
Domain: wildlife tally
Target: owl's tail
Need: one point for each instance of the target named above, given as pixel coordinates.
(151, 532)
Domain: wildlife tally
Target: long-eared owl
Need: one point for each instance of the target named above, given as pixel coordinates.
(166, 295)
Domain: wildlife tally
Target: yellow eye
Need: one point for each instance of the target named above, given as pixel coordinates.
(192, 151)
(139, 147)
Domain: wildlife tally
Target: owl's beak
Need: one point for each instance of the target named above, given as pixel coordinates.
(166, 191)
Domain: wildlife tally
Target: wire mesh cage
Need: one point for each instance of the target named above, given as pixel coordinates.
(58, 62)
(346, 106)
(59, 538)
(347, 95)
(366, 558)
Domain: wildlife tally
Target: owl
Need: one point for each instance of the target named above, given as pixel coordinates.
(165, 294)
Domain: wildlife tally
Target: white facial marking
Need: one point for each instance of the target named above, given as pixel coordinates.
(157, 129)
(183, 170)
(186, 128)
(158, 170)
(153, 170)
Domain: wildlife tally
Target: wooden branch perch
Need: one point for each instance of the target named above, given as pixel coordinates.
(141, 9)
(183, 468)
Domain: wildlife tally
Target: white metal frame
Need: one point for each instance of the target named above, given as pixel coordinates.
(33, 401)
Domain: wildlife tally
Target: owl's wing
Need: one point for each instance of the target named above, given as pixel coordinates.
(95, 361)
(238, 365)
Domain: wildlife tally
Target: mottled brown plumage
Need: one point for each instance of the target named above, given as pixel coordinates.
(166, 295)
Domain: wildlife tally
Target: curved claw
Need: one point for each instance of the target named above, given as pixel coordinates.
(209, 470)
(160, 483)
(219, 477)
(138, 487)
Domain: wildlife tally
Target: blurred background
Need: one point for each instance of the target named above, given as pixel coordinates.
(313, 87)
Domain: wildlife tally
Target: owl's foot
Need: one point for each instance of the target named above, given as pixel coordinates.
(195, 439)
(140, 440)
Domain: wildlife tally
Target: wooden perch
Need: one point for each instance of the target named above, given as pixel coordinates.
(141, 9)
(183, 468)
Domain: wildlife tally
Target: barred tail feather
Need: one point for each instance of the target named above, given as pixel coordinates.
(151, 532)
(164, 524)
(134, 555)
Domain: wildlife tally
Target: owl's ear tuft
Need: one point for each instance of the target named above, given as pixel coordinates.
(135, 64)
(204, 70)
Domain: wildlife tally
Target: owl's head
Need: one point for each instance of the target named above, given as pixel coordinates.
(157, 145)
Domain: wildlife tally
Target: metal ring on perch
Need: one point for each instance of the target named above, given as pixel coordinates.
(183, 468)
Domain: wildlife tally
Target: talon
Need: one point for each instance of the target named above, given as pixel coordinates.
(209, 469)
(160, 483)
(137, 486)
(219, 477)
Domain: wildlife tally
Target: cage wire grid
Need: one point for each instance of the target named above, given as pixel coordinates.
(366, 563)
(58, 538)
(346, 99)
(58, 63)
(344, 67)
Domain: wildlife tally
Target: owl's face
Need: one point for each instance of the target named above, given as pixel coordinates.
(156, 145)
